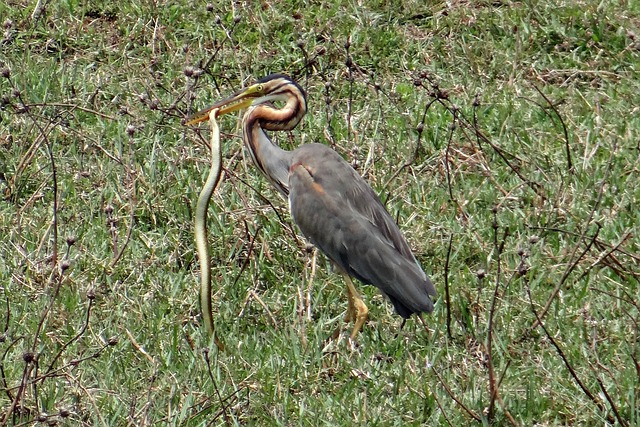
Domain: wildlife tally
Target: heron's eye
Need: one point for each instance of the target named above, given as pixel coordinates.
(260, 88)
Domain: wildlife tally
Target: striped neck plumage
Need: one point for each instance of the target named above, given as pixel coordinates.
(272, 118)
(273, 161)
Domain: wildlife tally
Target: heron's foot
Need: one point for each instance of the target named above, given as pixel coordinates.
(357, 310)
(336, 337)
(360, 316)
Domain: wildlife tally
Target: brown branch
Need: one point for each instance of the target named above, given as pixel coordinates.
(72, 107)
(564, 127)
(614, 408)
(566, 362)
(599, 243)
(75, 338)
(443, 99)
(564, 278)
(502, 405)
(450, 393)
(28, 358)
(575, 261)
(72, 364)
(419, 130)
(493, 387)
(444, 413)
(349, 64)
(132, 217)
(452, 127)
(537, 188)
(604, 256)
(227, 420)
(446, 286)
(247, 259)
(7, 389)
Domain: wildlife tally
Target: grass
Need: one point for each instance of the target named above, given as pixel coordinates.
(502, 136)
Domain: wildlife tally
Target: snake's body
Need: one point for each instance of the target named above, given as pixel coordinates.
(200, 229)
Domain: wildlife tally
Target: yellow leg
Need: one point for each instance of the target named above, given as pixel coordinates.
(357, 311)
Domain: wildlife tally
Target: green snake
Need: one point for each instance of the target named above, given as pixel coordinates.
(200, 229)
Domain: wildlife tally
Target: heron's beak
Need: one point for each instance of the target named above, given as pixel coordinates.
(242, 99)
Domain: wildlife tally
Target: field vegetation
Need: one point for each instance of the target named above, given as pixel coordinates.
(503, 136)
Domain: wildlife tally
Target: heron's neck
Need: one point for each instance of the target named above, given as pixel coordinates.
(273, 161)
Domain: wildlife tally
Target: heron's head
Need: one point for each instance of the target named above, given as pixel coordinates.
(273, 88)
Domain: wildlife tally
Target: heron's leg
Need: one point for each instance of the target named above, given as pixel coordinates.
(357, 310)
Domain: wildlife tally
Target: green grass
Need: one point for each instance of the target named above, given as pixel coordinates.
(100, 314)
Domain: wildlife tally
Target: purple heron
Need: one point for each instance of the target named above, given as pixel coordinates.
(331, 203)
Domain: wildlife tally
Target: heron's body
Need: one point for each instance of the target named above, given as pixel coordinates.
(331, 203)
(326, 193)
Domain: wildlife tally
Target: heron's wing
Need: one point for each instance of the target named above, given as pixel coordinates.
(365, 201)
(338, 211)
